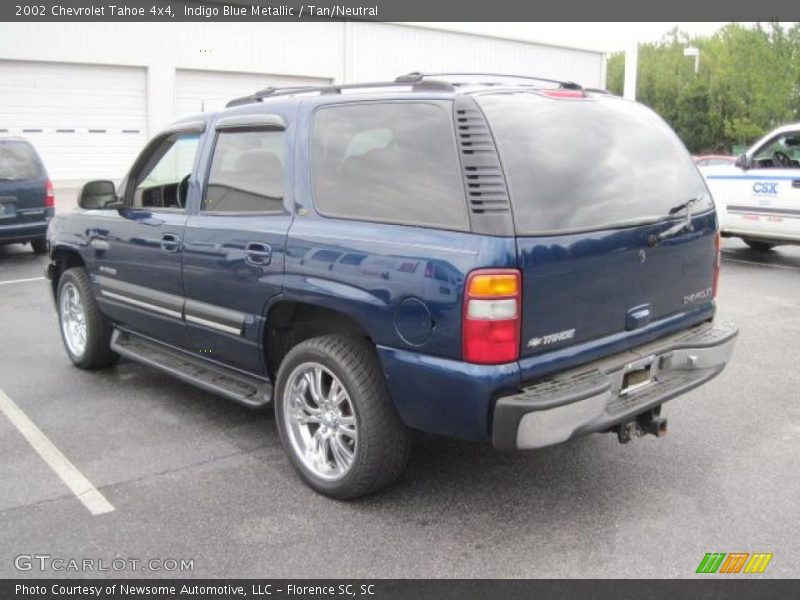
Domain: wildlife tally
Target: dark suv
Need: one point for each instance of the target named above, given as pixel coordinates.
(515, 260)
(27, 202)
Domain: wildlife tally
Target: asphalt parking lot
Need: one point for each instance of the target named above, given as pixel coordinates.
(192, 476)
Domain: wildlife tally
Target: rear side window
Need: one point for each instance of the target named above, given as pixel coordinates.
(246, 173)
(388, 162)
(589, 163)
(18, 160)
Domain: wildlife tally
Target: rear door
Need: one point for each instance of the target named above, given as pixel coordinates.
(235, 243)
(23, 184)
(591, 178)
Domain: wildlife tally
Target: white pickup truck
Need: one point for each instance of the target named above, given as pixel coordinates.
(758, 197)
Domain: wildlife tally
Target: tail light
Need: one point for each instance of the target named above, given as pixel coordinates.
(49, 195)
(492, 314)
(717, 262)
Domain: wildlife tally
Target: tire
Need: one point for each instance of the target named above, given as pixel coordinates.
(95, 351)
(759, 246)
(39, 245)
(379, 451)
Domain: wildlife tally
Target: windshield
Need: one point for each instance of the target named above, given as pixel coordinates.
(18, 161)
(588, 163)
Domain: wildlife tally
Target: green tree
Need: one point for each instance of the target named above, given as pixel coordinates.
(748, 83)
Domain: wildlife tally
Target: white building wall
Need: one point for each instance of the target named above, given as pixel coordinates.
(199, 90)
(381, 50)
(342, 52)
(282, 52)
(304, 49)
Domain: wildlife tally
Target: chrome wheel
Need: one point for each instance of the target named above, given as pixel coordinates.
(321, 421)
(73, 319)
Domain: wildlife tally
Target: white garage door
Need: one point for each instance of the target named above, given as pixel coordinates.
(86, 121)
(205, 91)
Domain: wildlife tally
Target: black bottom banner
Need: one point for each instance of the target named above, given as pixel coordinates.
(394, 589)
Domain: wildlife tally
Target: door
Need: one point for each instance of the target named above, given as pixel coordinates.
(234, 247)
(139, 248)
(762, 201)
(85, 121)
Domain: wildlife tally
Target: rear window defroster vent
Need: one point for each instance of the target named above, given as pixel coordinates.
(484, 182)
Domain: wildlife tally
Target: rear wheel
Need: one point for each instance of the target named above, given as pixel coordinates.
(760, 246)
(85, 331)
(335, 418)
(39, 245)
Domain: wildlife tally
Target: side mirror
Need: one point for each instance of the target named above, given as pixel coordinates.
(741, 162)
(97, 194)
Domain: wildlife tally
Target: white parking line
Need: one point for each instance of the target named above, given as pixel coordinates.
(21, 280)
(69, 474)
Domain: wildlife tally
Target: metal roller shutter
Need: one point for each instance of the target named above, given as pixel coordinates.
(86, 121)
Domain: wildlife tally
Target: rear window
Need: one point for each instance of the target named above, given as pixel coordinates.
(18, 160)
(390, 162)
(588, 163)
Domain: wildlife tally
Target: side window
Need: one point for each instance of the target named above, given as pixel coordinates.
(782, 152)
(388, 162)
(163, 180)
(246, 173)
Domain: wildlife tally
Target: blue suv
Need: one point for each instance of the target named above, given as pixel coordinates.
(502, 259)
(27, 202)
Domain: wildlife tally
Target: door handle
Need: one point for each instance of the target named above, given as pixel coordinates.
(796, 183)
(258, 254)
(170, 243)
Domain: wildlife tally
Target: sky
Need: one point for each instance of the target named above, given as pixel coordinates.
(608, 37)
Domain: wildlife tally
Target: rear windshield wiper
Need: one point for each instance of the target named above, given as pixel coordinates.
(678, 227)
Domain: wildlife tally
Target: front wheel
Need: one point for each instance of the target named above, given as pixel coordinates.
(336, 420)
(85, 330)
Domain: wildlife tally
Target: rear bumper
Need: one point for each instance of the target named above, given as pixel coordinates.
(587, 399)
(22, 232)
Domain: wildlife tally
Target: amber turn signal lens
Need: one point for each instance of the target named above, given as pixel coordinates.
(494, 284)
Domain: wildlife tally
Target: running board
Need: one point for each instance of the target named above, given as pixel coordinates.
(213, 378)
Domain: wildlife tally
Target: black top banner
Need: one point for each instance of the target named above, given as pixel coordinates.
(397, 10)
(393, 589)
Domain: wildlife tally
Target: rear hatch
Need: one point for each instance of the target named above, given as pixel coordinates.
(591, 179)
(22, 183)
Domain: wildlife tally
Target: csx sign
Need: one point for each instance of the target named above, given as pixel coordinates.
(765, 187)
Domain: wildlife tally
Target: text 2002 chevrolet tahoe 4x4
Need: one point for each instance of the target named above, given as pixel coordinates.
(523, 262)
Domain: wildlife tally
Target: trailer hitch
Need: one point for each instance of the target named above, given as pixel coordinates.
(650, 422)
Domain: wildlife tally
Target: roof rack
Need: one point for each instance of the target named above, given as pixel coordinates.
(271, 92)
(416, 77)
(419, 81)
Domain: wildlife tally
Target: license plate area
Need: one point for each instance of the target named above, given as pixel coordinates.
(637, 375)
(8, 207)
